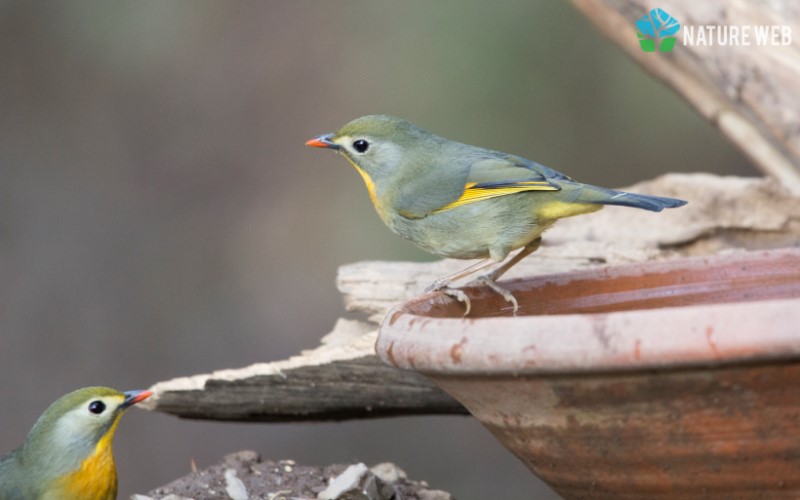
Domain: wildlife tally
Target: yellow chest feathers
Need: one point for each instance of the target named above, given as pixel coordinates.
(373, 196)
(95, 479)
(367, 181)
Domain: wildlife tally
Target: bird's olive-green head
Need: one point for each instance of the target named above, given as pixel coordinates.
(373, 142)
(76, 428)
(81, 418)
(386, 151)
(378, 144)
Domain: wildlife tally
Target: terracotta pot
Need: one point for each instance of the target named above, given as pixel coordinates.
(675, 379)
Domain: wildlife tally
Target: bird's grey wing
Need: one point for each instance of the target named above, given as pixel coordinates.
(546, 173)
(499, 176)
(429, 187)
(475, 178)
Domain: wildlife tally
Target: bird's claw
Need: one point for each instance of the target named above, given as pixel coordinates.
(459, 295)
(488, 280)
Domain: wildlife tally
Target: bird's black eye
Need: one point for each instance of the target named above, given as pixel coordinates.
(97, 407)
(361, 145)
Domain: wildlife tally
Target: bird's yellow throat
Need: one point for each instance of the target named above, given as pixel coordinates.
(367, 180)
(96, 477)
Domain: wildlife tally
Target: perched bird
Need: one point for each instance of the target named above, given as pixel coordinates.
(465, 202)
(67, 454)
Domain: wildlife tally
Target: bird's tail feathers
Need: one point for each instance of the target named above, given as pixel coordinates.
(601, 196)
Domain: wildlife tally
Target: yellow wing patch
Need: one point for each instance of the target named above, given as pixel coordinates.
(475, 192)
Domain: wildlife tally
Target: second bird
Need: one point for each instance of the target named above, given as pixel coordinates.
(465, 202)
(67, 454)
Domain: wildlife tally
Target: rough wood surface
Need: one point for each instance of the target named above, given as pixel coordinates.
(752, 94)
(343, 378)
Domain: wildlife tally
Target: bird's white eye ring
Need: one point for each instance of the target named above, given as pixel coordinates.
(97, 407)
(361, 145)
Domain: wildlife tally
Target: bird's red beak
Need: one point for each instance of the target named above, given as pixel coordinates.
(133, 397)
(323, 141)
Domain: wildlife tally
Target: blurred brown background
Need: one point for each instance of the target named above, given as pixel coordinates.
(160, 217)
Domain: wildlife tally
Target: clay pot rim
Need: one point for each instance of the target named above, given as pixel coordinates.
(678, 337)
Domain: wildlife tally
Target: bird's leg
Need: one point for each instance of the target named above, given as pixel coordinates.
(513, 261)
(443, 284)
(488, 279)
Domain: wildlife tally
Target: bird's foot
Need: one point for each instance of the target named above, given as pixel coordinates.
(443, 285)
(488, 280)
(460, 296)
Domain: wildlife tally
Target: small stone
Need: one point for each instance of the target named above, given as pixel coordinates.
(347, 480)
(279, 495)
(434, 495)
(244, 457)
(388, 472)
(371, 487)
(375, 489)
(234, 486)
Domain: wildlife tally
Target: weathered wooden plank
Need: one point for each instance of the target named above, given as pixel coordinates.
(361, 387)
(341, 379)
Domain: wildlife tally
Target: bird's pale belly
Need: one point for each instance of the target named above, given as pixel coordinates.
(492, 228)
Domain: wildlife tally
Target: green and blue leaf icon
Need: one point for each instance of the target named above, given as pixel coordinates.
(656, 30)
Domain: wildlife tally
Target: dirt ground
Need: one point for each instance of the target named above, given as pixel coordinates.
(244, 476)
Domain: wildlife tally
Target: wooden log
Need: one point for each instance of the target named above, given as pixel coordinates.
(343, 378)
(752, 94)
